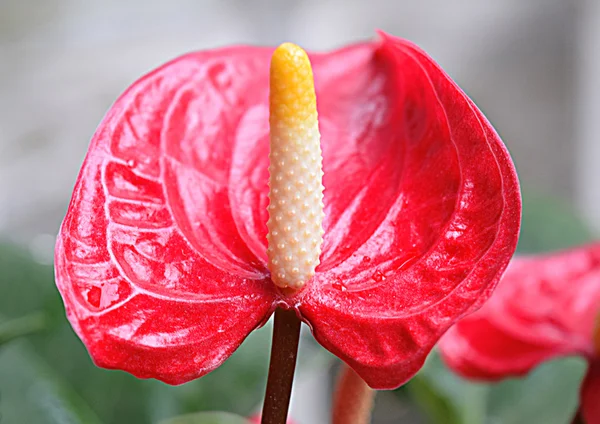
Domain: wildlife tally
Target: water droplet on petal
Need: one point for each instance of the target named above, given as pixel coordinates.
(378, 276)
(339, 285)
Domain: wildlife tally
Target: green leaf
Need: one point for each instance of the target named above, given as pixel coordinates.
(445, 398)
(549, 395)
(28, 287)
(31, 392)
(207, 418)
(434, 404)
(25, 286)
(550, 223)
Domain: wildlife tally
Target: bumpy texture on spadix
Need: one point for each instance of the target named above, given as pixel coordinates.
(296, 192)
(162, 257)
(545, 307)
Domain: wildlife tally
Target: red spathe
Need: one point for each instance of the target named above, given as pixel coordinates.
(161, 259)
(545, 307)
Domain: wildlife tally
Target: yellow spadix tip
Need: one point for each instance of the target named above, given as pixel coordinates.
(292, 98)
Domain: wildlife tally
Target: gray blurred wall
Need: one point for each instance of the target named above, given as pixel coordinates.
(63, 62)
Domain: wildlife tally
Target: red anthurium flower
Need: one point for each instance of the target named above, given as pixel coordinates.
(545, 307)
(162, 260)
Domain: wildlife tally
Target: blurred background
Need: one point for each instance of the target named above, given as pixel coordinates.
(532, 67)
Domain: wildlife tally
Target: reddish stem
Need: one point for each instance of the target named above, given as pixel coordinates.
(284, 350)
(353, 399)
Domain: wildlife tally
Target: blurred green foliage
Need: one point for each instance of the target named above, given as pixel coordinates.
(46, 375)
(550, 223)
(549, 395)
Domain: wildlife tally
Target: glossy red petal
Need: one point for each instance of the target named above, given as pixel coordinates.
(156, 277)
(590, 395)
(431, 228)
(476, 348)
(421, 199)
(545, 306)
(552, 297)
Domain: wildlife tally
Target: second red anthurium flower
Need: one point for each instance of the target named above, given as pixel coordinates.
(545, 307)
(162, 257)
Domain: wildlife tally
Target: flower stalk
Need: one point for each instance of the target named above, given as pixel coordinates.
(284, 350)
(353, 399)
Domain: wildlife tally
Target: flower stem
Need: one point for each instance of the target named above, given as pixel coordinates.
(284, 350)
(353, 399)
